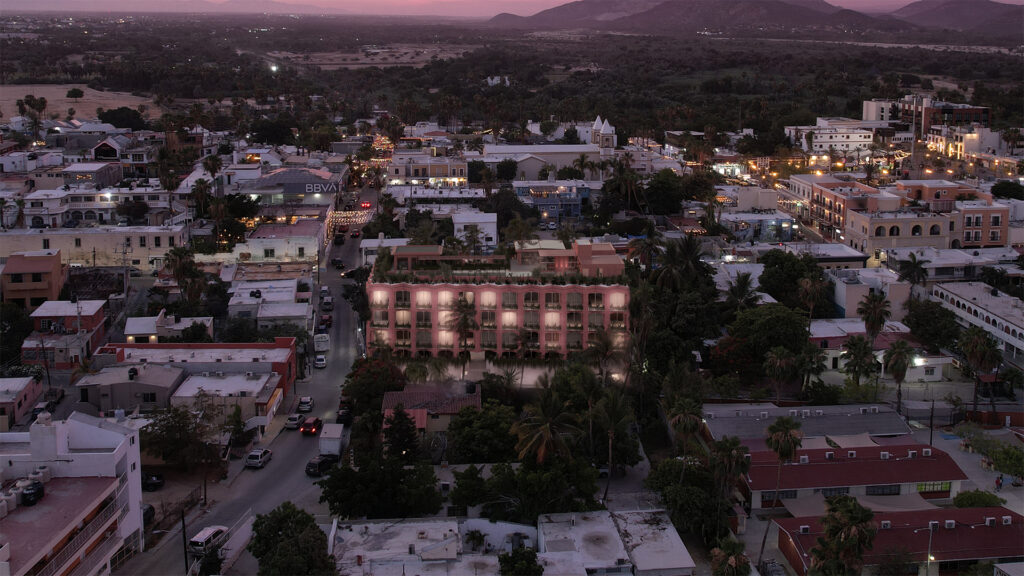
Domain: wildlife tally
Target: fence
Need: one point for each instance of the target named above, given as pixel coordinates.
(170, 514)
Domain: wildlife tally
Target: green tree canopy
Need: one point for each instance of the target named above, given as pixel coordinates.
(977, 499)
(933, 324)
(521, 561)
(180, 437)
(369, 379)
(381, 489)
(506, 170)
(782, 273)
(483, 435)
(288, 541)
(523, 493)
(401, 440)
(770, 325)
(849, 532)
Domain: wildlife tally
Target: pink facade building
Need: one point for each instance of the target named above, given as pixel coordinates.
(66, 333)
(549, 302)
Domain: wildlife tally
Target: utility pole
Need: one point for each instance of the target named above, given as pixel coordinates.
(931, 423)
(184, 540)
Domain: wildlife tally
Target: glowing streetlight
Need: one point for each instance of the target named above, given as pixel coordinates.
(273, 67)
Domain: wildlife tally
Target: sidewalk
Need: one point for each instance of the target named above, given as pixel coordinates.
(977, 477)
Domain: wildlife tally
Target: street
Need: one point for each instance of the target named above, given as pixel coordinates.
(258, 491)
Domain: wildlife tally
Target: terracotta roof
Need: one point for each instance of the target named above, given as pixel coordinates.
(866, 468)
(970, 539)
(22, 264)
(419, 404)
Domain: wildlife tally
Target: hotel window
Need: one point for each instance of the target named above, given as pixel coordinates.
(827, 492)
(617, 301)
(488, 300)
(509, 320)
(993, 235)
(402, 299)
(380, 318)
(423, 299)
(531, 300)
(423, 339)
(551, 340)
(977, 235)
(156, 243)
(403, 318)
(574, 320)
(531, 319)
(883, 490)
(268, 252)
(445, 299)
(46, 243)
(489, 339)
(469, 297)
(423, 318)
(933, 486)
(995, 220)
(380, 337)
(402, 337)
(552, 321)
(595, 321)
(509, 340)
(574, 301)
(379, 299)
(445, 318)
(488, 318)
(574, 340)
(509, 301)
(552, 301)
(142, 241)
(595, 301)
(170, 241)
(78, 242)
(618, 320)
(445, 339)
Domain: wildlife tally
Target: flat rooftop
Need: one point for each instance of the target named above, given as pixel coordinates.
(746, 421)
(32, 531)
(226, 385)
(652, 541)
(62, 308)
(307, 227)
(88, 166)
(10, 388)
(592, 535)
(217, 354)
(980, 294)
(386, 543)
(80, 231)
(150, 374)
(842, 327)
(825, 250)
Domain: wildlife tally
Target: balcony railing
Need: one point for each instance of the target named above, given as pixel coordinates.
(489, 306)
(72, 548)
(423, 324)
(574, 325)
(618, 325)
(553, 306)
(403, 344)
(378, 304)
(509, 306)
(532, 325)
(403, 304)
(489, 324)
(575, 346)
(380, 323)
(553, 346)
(574, 306)
(402, 323)
(597, 306)
(593, 326)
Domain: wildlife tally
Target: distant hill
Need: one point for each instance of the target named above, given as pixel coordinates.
(196, 6)
(962, 15)
(579, 14)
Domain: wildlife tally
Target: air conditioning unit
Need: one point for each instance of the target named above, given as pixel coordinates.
(819, 412)
(805, 529)
(874, 409)
(911, 453)
(990, 521)
(764, 415)
(248, 374)
(804, 459)
(830, 455)
(950, 524)
(933, 525)
(885, 455)
(1007, 520)
(863, 410)
(886, 524)
(206, 374)
(926, 452)
(793, 413)
(806, 413)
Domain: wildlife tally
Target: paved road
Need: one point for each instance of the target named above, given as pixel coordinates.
(259, 491)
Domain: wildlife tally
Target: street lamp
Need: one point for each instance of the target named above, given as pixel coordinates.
(928, 564)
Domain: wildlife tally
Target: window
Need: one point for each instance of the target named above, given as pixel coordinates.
(977, 235)
(149, 397)
(17, 279)
(37, 277)
(595, 321)
(552, 321)
(531, 300)
(78, 242)
(916, 230)
(574, 301)
(509, 340)
(574, 341)
(995, 220)
(302, 251)
(551, 340)
(595, 301)
(618, 320)
(531, 319)
(423, 318)
(929, 371)
(423, 339)
(894, 230)
(769, 495)
(402, 338)
(403, 299)
(170, 241)
(38, 301)
(880, 231)
(574, 320)
(935, 230)
(509, 300)
(46, 243)
(827, 492)
(268, 252)
(142, 241)
(509, 320)
(156, 242)
(933, 486)
(883, 490)
(551, 301)
(489, 339)
(380, 318)
(488, 318)
(993, 235)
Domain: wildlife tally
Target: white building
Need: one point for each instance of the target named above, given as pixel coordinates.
(978, 304)
(300, 241)
(964, 142)
(271, 301)
(91, 511)
(851, 285)
(880, 109)
(486, 224)
(140, 329)
(369, 248)
(140, 246)
(819, 139)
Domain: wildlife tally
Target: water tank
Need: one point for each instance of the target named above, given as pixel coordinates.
(16, 494)
(10, 500)
(3, 509)
(45, 471)
(23, 483)
(37, 475)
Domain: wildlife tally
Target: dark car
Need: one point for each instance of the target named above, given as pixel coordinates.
(354, 234)
(152, 481)
(327, 319)
(319, 465)
(32, 493)
(344, 416)
(71, 224)
(311, 426)
(148, 514)
(349, 207)
(338, 263)
(339, 239)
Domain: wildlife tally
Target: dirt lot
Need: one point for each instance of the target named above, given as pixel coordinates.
(384, 56)
(57, 100)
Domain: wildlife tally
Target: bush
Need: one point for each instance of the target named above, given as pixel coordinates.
(977, 499)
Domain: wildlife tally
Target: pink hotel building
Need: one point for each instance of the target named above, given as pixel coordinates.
(558, 298)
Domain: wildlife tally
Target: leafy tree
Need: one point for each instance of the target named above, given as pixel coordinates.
(770, 325)
(520, 562)
(546, 428)
(977, 499)
(136, 210)
(196, 332)
(483, 435)
(235, 426)
(506, 170)
(15, 326)
(470, 487)
(571, 136)
(782, 273)
(75, 94)
(211, 562)
(475, 170)
(401, 439)
(849, 532)
(523, 493)
(982, 354)
(1008, 189)
(381, 489)
(784, 438)
(287, 540)
(665, 192)
(180, 437)
(931, 323)
(124, 117)
(694, 506)
(369, 379)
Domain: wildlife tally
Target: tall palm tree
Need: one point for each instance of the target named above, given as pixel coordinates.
(646, 247)
(897, 359)
(810, 362)
(592, 389)
(582, 163)
(729, 559)
(212, 164)
(849, 531)
(464, 323)
(603, 350)
(874, 311)
(615, 415)
(201, 195)
(741, 294)
(19, 220)
(913, 270)
(179, 260)
(685, 417)
(546, 428)
(681, 263)
(859, 358)
(779, 364)
(3, 213)
(518, 231)
(416, 372)
(982, 354)
(730, 463)
(784, 438)
(811, 291)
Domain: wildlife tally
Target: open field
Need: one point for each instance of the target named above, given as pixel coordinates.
(415, 55)
(58, 102)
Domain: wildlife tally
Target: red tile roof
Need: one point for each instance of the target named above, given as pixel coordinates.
(971, 539)
(419, 404)
(21, 264)
(866, 468)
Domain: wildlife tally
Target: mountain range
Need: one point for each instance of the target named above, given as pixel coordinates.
(188, 6)
(690, 16)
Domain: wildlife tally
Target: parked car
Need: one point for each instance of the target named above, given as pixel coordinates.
(311, 426)
(306, 404)
(320, 464)
(364, 204)
(552, 225)
(337, 263)
(325, 291)
(32, 493)
(294, 421)
(207, 539)
(327, 319)
(258, 458)
(41, 407)
(148, 514)
(327, 303)
(320, 361)
(152, 481)
(349, 207)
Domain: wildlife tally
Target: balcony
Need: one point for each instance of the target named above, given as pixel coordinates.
(596, 306)
(509, 306)
(378, 304)
(574, 325)
(532, 325)
(380, 323)
(554, 306)
(553, 346)
(577, 306)
(531, 305)
(402, 324)
(575, 346)
(489, 345)
(405, 304)
(618, 325)
(403, 344)
(593, 326)
(118, 506)
(493, 306)
(423, 324)
(489, 324)
(446, 346)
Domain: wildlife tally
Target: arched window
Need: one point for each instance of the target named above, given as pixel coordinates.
(916, 230)
(90, 215)
(880, 231)
(894, 230)
(935, 230)
(76, 215)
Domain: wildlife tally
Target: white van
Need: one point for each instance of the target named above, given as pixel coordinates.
(207, 539)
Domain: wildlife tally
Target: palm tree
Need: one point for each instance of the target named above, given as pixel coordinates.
(212, 164)
(464, 323)
(685, 417)
(859, 358)
(784, 438)
(603, 350)
(646, 247)
(730, 463)
(416, 372)
(741, 294)
(897, 361)
(811, 291)
(615, 415)
(874, 311)
(201, 195)
(779, 364)
(849, 531)
(592, 389)
(179, 260)
(3, 215)
(913, 270)
(487, 181)
(728, 559)
(982, 354)
(518, 231)
(19, 220)
(810, 362)
(681, 263)
(582, 163)
(545, 428)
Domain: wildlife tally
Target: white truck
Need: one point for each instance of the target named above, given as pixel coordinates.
(332, 439)
(321, 342)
